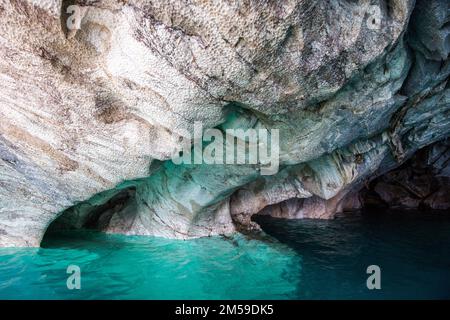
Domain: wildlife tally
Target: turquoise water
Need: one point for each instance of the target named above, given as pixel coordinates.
(305, 260)
(124, 267)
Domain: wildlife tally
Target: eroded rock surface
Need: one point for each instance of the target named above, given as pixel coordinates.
(90, 117)
(421, 183)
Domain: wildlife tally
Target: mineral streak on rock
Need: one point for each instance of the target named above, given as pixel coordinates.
(90, 118)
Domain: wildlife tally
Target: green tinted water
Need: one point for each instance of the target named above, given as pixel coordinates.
(310, 259)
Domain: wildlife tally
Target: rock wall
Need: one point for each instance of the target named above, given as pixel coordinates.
(423, 182)
(89, 118)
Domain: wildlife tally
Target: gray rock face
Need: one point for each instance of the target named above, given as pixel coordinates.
(90, 117)
(421, 183)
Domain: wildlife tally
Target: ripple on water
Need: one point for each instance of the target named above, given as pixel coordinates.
(311, 259)
(122, 267)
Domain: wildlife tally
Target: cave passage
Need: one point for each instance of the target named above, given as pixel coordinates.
(94, 214)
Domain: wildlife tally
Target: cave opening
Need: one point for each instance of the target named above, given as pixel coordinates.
(94, 214)
(420, 184)
(417, 188)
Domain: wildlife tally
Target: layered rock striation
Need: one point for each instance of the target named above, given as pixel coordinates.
(90, 117)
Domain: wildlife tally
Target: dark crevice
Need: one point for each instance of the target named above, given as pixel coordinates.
(93, 214)
(419, 184)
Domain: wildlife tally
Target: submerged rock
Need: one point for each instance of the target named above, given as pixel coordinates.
(90, 117)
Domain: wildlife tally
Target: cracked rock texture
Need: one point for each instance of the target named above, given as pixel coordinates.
(421, 183)
(89, 118)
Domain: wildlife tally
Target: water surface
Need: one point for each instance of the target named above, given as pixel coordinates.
(411, 249)
(309, 259)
